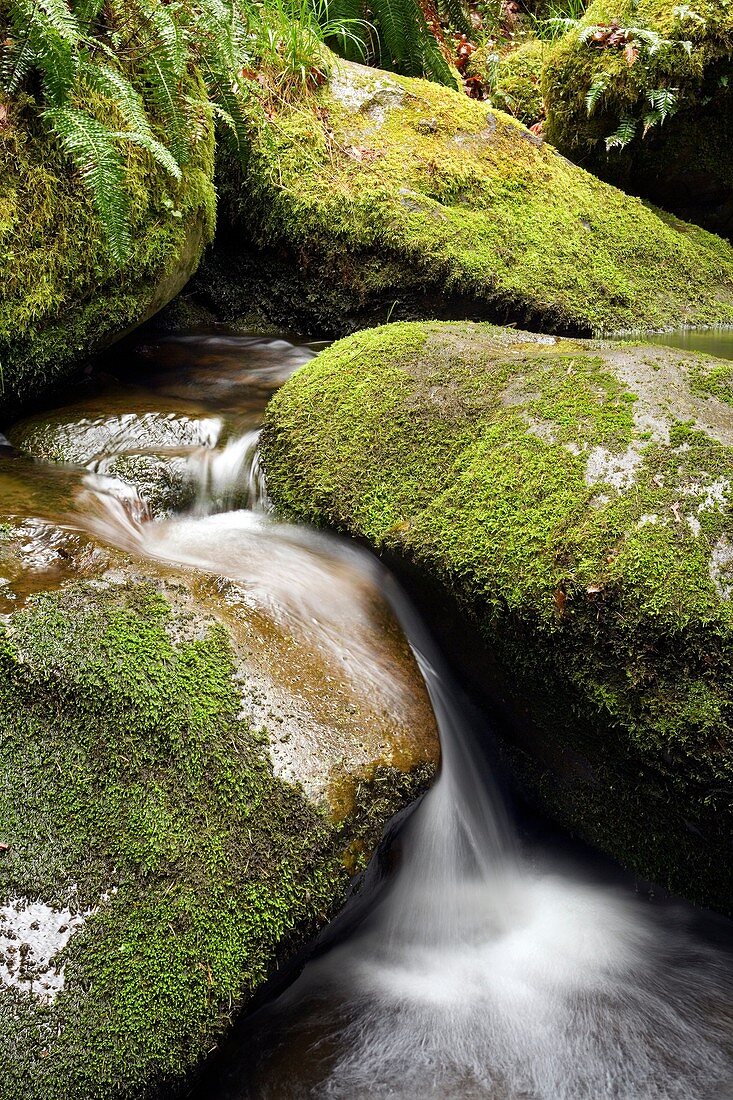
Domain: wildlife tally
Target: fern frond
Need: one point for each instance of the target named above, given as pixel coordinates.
(454, 12)
(596, 92)
(663, 101)
(92, 149)
(155, 148)
(87, 14)
(60, 17)
(164, 93)
(169, 42)
(51, 43)
(16, 63)
(623, 135)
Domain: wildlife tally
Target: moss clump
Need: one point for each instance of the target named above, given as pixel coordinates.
(574, 498)
(131, 786)
(63, 297)
(387, 195)
(685, 163)
(514, 81)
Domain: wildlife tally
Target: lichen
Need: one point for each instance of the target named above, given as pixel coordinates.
(611, 633)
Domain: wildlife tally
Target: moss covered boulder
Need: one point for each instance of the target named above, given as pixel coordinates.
(513, 81)
(574, 501)
(184, 800)
(63, 295)
(391, 196)
(645, 60)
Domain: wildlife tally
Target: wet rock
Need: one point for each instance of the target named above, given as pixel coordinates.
(357, 211)
(569, 504)
(160, 455)
(187, 792)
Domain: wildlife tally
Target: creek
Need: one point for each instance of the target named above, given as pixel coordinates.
(483, 959)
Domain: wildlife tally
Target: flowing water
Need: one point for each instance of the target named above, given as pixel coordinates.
(478, 966)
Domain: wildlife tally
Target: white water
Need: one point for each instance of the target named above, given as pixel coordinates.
(481, 974)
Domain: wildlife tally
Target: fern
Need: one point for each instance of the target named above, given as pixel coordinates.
(73, 47)
(457, 16)
(663, 103)
(394, 34)
(596, 92)
(91, 147)
(623, 135)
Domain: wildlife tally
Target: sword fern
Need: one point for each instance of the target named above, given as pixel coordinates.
(108, 76)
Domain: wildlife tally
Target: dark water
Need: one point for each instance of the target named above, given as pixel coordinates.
(478, 963)
(716, 341)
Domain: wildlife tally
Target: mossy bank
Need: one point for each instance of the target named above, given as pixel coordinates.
(63, 294)
(156, 868)
(574, 499)
(684, 52)
(384, 196)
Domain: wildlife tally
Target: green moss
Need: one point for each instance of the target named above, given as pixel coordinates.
(131, 786)
(685, 164)
(514, 83)
(522, 477)
(62, 296)
(389, 196)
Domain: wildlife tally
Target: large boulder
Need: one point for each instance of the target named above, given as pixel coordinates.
(185, 795)
(388, 196)
(573, 499)
(63, 295)
(639, 52)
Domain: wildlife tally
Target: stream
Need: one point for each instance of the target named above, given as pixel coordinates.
(481, 960)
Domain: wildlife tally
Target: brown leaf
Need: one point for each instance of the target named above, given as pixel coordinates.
(631, 53)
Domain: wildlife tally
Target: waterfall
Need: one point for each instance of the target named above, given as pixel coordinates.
(482, 973)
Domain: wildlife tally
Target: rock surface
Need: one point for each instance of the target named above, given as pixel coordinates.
(186, 792)
(397, 197)
(574, 499)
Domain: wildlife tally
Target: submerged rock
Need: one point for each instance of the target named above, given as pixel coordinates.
(394, 197)
(159, 455)
(574, 500)
(675, 57)
(185, 795)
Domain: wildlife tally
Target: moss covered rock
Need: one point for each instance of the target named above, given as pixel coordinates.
(63, 297)
(183, 802)
(513, 82)
(391, 196)
(684, 51)
(574, 498)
